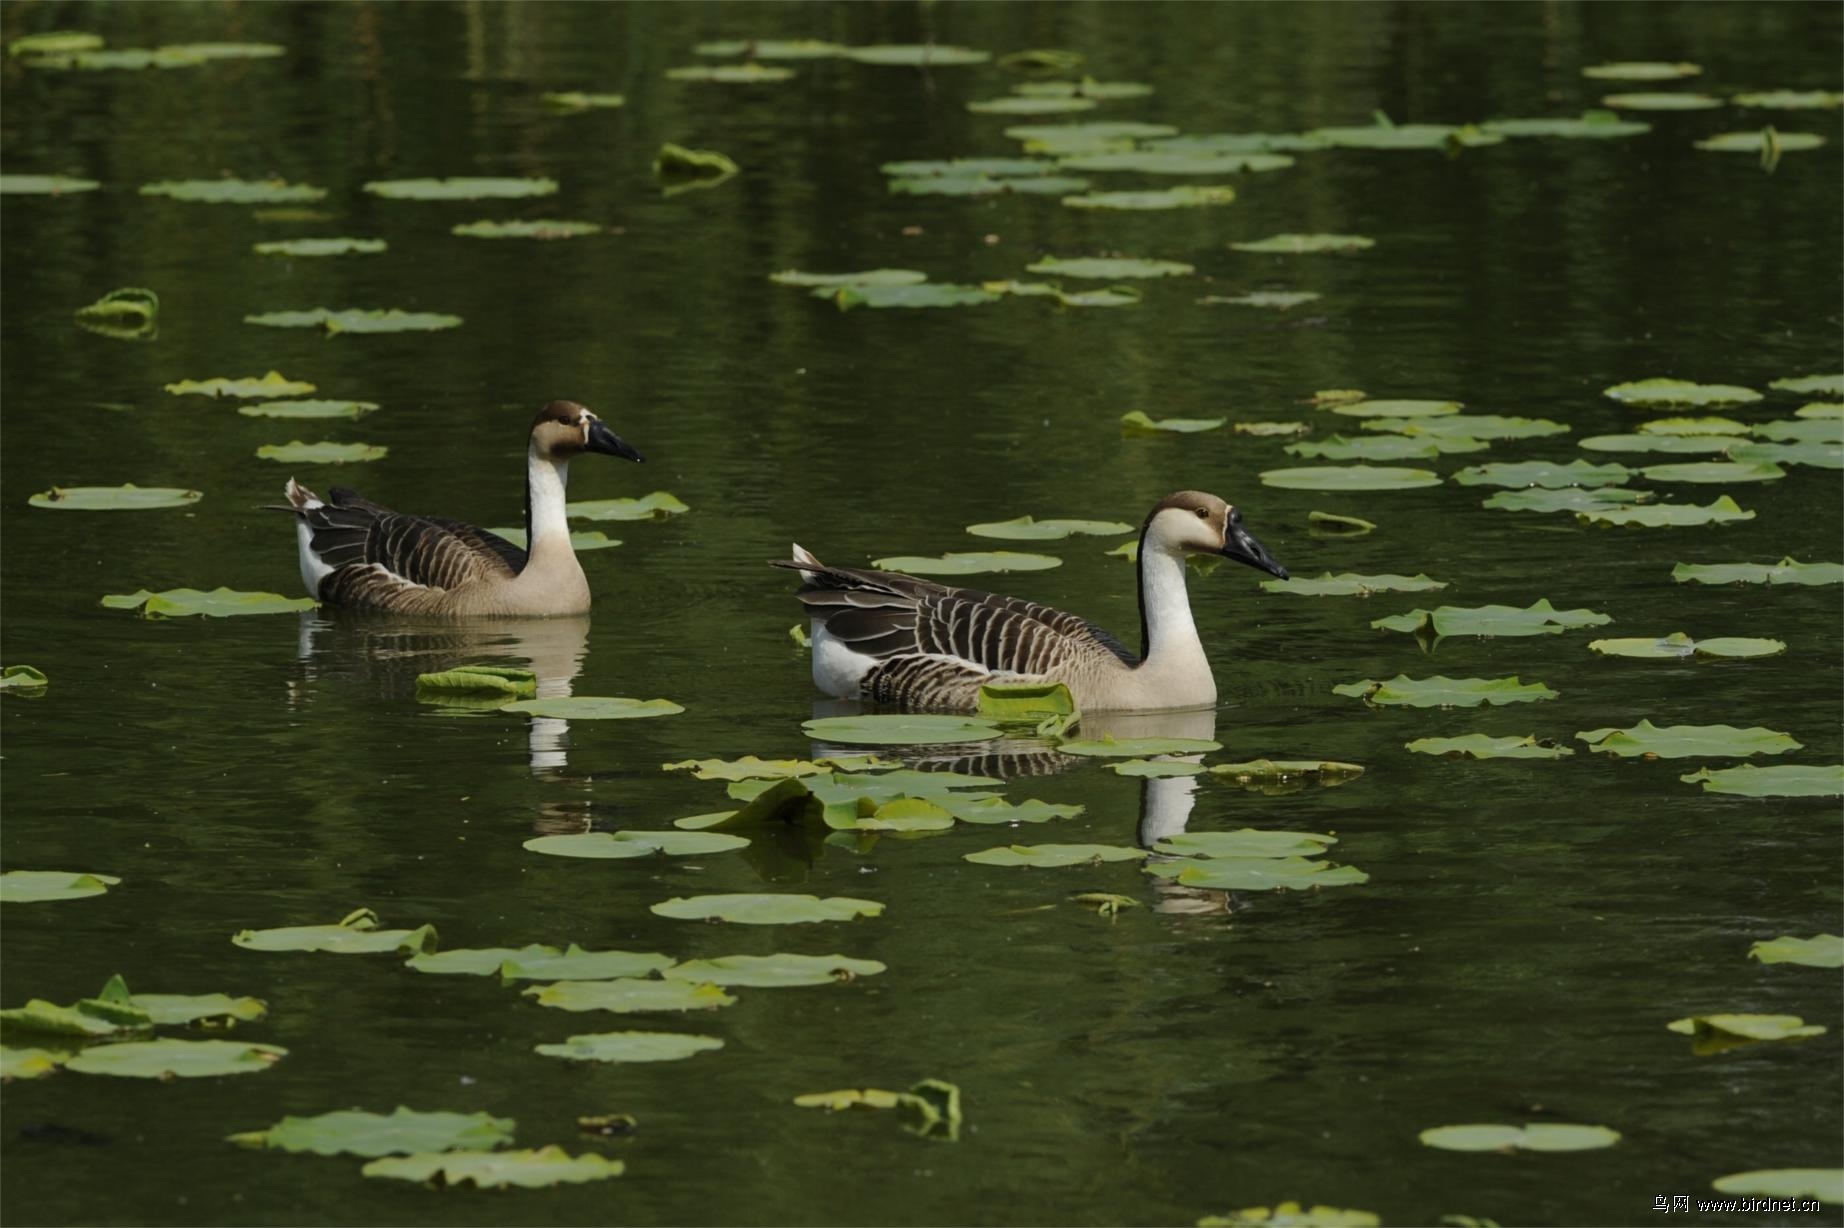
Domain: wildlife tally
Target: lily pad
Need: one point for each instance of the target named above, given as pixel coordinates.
(1667, 515)
(359, 1133)
(604, 845)
(1020, 105)
(55, 42)
(865, 277)
(1096, 130)
(657, 506)
(176, 1059)
(1137, 422)
(1350, 584)
(461, 188)
(1248, 842)
(772, 48)
(234, 191)
(1660, 392)
(1786, 571)
(967, 563)
(1825, 455)
(578, 100)
(1677, 646)
(1273, 776)
(106, 1015)
(274, 384)
(225, 51)
(1543, 1136)
(1387, 135)
(1714, 471)
(536, 228)
(997, 810)
(1821, 951)
(1028, 528)
(1176, 162)
(357, 320)
(631, 1047)
(1809, 384)
(1803, 430)
(1824, 1184)
(218, 603)
(1349, 477)
(749, 767)
(1280, 300)
(1568, 499)
(915, 55)
(1539, 618)
(1760, 142)
(900, 729)
(748, 73)
(1110, 268)
(492, 1170)
(1258, 874)
(1043, 855)
(216, 1009)
(1156, 768)
(593, 539)
(27, 1063)
(772, 909)
(630, 996)
(320, 247)
(1593, 125)
(1372, 447)
(1716, 1033)
(1707, 425)
(595, 707)
(1469, 426)
(126, 498)
(355, 934)
(1641, 70)
(1304, 244)
(1660, 443)
(1138, 748)
(1546, 474)
(965, 168)
(1088, 87)
(45, 185)
(775, 971)
(23, 678)
(1443, 692)
(1644, 101)
(927, 294)
(40, 886)
(507, 681)
(308, 409)
(1789, 100)
(1275, 428)
(1395, 409)
(1788, 780)
(128, 314)
(1646, 740)
(1486, 746)
(1170, 198)
(324, 453)
(1291, 1215)
(987, 185)
(572, 964)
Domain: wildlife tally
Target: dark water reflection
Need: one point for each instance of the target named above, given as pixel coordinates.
(1528, 928)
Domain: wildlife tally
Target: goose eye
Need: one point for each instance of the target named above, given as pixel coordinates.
(1203, 513)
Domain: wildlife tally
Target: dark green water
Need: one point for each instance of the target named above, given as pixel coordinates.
(1528, 927)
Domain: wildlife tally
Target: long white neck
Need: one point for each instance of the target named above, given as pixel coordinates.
(547, 484)
(1175, 667)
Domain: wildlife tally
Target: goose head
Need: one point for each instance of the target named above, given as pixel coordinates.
(1198, 523)
(563, 429)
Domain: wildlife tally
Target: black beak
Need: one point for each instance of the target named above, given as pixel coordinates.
(1243, 548)
(603, 440)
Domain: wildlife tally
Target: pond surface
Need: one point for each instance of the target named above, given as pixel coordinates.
(1528, 926)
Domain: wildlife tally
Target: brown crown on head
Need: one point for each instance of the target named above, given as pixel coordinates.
(564, 413)
(1186, 501)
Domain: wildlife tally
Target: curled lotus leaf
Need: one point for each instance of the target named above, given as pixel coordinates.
(127, 314)
(460, 188)
(1137, 422)
(1349, 477)
(1156, 768)
(1767, 141)
(1786, 571)
(23, 678)
(749, 767)
(1138, 748)
(1789, 100)
(747, 73)
(1280, 300)
(631, 1047)
(357, 933)
(27, 1063)
(657, 506)
(1546, 474)
(1714, 471)
(967, 563)
(771, 48)
(1831, 384)
(234, 191)
(1187, 197)
(595, 707)
(1568, 499)
(110, 1013)
(45, 185)
(1820, 951)
(1677, 646)
(1302, 244)
(619, 845)
(1655, 101)
(176, 1059)
(1176, 162)
(593, 539)
(510, 681)
(915, 55)
(359, 1133)
(325, 452)
(1028, 528)
(864, 277)
(1666, 515)
(1443, 692)
(1469, 426)
(536, 228)
(320, 247)
(1022, 105)
(1027, 702)
(1718, 1033)
(630, 996)
(1659, 443)
(308, 409)
(1662, 392)
(900, 729)
(1248, 842)
(492, 1170)
(1396, 409)
(1824, 1184)
(1044, 855)
(775, 971)
(1544, 1136)
(218, 603)
(1641, 70)
(1592, 125)
(579, 100)
(125, 498)
(1257, 873)
(1785, 780)
(1292, 1215)
(274, 384)
(993, 810)
(1350, 584)
(1539, 618)
(41, 886)
(357, 320)
(1486, 746)
(1110, 268)
(766, 909)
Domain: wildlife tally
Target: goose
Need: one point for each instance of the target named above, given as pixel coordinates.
(913, 643)
(357, 554)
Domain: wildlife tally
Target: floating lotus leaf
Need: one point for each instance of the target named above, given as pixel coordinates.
(133, 59)
(1098, 130)
(1349, 477)
(224, 51)
(126, 498)
(1788, 780)
(1789, 100)
(967, 563)
(1660, 102)
(1710, 1034)
(308, 409)
(1110, 268)
(900, 729)
(27, 1063)
(1291, 1215)
(1824, 1184)
(595, 707)
(630, 996)
(1568, 499)
(1395, 409)
(460, 189)
(1803, 430)
(593, 539)
(1257, 874)
(1274, 428)
(1280, 300)
(1054, 855)
(218, 603)
(915, 55)
(55, 42)
(355, 934)
(128, 314)
(1155, 768)
(657, 506)
(680, 169)
(1350, 584)
(1137, 422)
(174, 1008)
(1686, 741)
(492, 1170)
(1667, 515)
(1469, 426)
(1169, 198)
(23, 678)
(577, 100)
(1693, 426)
(993, 810)
(775, 971)
(1544, 1136)
(1042, 59)
(987, 185)
(274, 384)
(1086, 88)
(1766, 143)
(1029, 529)
(1714, 471)
(866, 1098)
(1485, 746)
(1832, 384)
(1027, 701)
(234, 191)
(866, 277)
(1386, 135)
(1659, 443)
(1372, 447)
(1786, 571)
(1031, 106)
(105, 1015)
(320, 247)
(749, 767)
(1547, 474)
(359, 1133)
(1822, 951)
(1825, 455)
(1641, 70)
(772, 48)
(536, 228)
(40, 886)
(1298, 245)
(357, 320)
(928, 294)
(573, 964)
(45, 185)
(1248, 842)
(1176, 162)
(1443, 692)
(1826, 410)
(323, 453)
(773, 909)
(1238, 142)
(1277, 776)
(1138, 748)
(1655, 393)
(1539, 618)
(968, 168)
(749, 73)
(1677, 646)
(605, 845)
(1590, 124)
(502, 681)
(176, 1059)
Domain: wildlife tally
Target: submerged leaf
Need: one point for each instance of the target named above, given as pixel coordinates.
(125, 498)
(1248, 842)
(775, 971)
(749, 767)
(1109, 268)
(770, 909)
(1786, 571)
(747, 73)
(1646, 740)
(966, 563)
(491, 1170)
(1677, 646)
(45, 185)
(1486, 746)
(1291, 1215)
(1138, 748)
(1350, 584)
(1276, 776)
(1660, 102)
(1386, 135)
(1659, 392)
(987, 185)
(1175, 161)
(1365, 408)
(927, 294)
(577, 100)
(1023, 105)
(176, 1059)
(218, 603)
(866, 277)
(1331, 523)
(1156, 768)
(1280, 300)
(1821, 951)
(1301, 244)
(915, 55)
(55, 42)
(40, 886)
(323, 453)
(1054, 855)
(460, 188)
(357, 1132)
(1349, 477)
(771, 48)
(1443, 692)
(1788, 780)
(1641, 70)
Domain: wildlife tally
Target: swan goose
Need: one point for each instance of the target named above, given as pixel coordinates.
(900, 640)
(357, 554)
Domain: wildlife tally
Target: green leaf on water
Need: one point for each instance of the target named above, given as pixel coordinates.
(1660, 392)
(1257, 874)
(630, 996)
(1829, 384)
(23, 678)
(536, 228)
(1803, 430)
(40, 886)
(320, 247)
(1291, 1215)
(1593, 125)
(748, 73)
(1278, 776)
(1820, 951)
(1443, 692)
(308, 409)
(1109, 268)
(1539, 618)
(133, 59)
(1646, 740)
(1373, 448)
(1155, 768)
(224, 51)
(461, 188)
(1332, 524)
(88, 1018)
(927, 294)
(176, 1059)
(969, 168)
(1544, 1136)
(359, 1133)
(1275, 428)
(1486, 746)
(211, 1009)
(967, 563)
(1568, 499)
(988, 811)
(771, 48)
(1470, 426)
(274, 384)
(1711, 1034)
(595, 707)
(1642, 101)
(1136, 422)
(619, 845)
(766, 909)
(749, 767)
(1042, 59)
(915, 55)
(1660, 443)
(900, 729)
(1395, 409)
(55, 42)
(357, 320)
(1088, 87)
(987, 185)
(1824, 1184)
(1708, 425)
(536, 963)
(1547, 474)
(1245, 843)
(594, 539)
(128, 314)
(1786, 571)
(45, 185)
(1022, 105)
(234, 191)
(1175, 162)
(27, 1063)
(1714, 471)
(1027, 528)
(1044, 855)
(1280, 300)
(1760, 142)
(1386, 135)
(1302, 244)
(1666, 515)
(218, 603)
(866, 277)
(357, 933)
(1349, 477)
(1138, 748)
(125, 498)
(577, 100)
(1677, 646)
(1641, 70)
(775, 971)
(1028, 701)
(1170, 198)
(325, 452)
(657, 506)
(492, 1170)
(1787, 780)
(1789, 100)
(1825, 455)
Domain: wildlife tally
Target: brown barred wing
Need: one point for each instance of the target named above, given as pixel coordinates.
(1011, 635)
